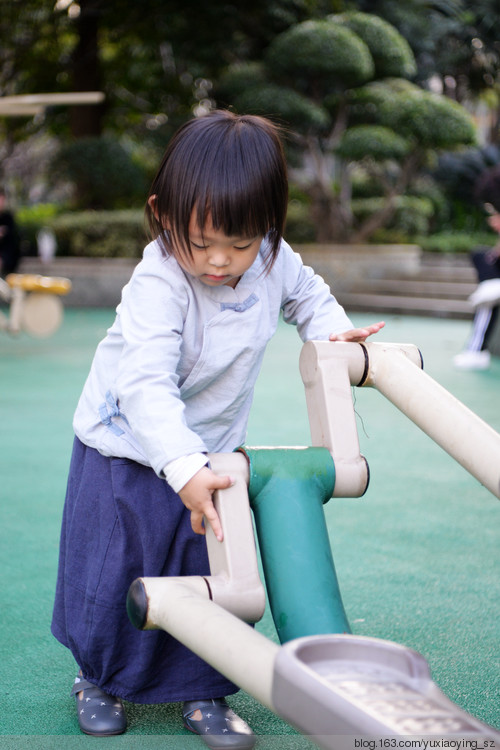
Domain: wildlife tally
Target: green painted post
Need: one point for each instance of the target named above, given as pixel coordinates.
(287, 489)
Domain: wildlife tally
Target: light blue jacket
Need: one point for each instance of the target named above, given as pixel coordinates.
(175, 374)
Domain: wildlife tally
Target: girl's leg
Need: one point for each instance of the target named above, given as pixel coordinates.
(490, 328)
(476, 355)
(481, 325)
(122, 522)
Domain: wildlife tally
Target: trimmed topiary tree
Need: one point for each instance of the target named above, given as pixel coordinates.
(342, 85)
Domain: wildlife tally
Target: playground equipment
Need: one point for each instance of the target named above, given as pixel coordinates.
(323, 680)
(34, 303)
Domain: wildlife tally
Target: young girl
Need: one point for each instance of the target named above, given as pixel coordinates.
(173, 380)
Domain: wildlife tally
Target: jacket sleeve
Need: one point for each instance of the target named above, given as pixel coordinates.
(147, 382)
(307, 301)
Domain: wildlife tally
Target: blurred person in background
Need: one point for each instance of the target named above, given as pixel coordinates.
(486, 298)
(10, 249)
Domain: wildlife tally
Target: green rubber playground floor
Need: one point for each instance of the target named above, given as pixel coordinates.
(417, 557)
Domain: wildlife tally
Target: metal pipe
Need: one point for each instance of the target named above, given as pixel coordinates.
(460, 432)
(287, 490)
(181, 607)
(395, 371)
(326, 686)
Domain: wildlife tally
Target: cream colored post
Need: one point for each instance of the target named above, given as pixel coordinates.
(328, 370)
(234, 574)
(234, 581)
(460, 432)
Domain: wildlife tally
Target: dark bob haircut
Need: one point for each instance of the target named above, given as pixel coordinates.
(228, 167)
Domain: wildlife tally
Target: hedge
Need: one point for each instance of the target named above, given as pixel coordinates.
(122, 234)
(103, 234)
(456, 242)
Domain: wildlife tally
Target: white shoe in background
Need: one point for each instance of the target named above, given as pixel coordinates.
(470, 360)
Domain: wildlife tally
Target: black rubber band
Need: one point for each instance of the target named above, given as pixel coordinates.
(367, 367)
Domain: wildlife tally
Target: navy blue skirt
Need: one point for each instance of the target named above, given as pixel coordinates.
(121, 522)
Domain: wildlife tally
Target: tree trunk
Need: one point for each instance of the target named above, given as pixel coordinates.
(328, 217)
(86, 120)
(380, 218)
(376, 220)
(331, 219)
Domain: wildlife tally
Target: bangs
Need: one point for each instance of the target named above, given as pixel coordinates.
(237, 189)
(228, 168)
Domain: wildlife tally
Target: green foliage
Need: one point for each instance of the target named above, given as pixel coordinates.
(425, 187)
(453, 39)
(148, 57)
(458, 172)
(103, 174)
(464, 217)
(412, 215)
(436, 121)
(366, 185)
(118, 234)
(31, 219)
(374, 141)
(156, 68)
(103, 234)
(299, 223)
(390, 51)
(431, 120)
(363, 184)
(455, 242)
(286, 104)
(39, 215)
(325, 52)
(319, 80)
(237, 78)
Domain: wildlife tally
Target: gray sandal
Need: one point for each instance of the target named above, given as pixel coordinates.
(219, 727)
(99, 714)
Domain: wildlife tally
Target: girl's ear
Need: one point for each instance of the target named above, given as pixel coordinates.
(152, 205)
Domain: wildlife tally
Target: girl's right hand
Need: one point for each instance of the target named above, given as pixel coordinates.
(197, 497)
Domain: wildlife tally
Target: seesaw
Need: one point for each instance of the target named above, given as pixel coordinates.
(34, 303)
(323, 680)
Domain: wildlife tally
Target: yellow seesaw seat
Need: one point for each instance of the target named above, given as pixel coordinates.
(31, 282)
(35, 303)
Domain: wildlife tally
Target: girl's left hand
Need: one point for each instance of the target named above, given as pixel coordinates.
(357, 335)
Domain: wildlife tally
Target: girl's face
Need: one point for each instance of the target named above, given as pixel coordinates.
(218, 260)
